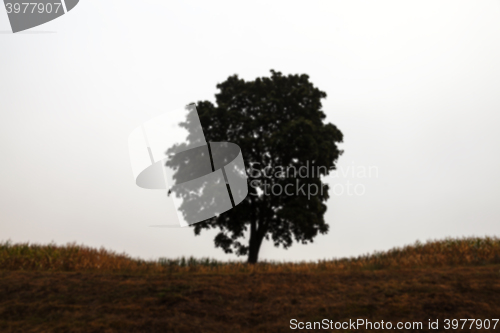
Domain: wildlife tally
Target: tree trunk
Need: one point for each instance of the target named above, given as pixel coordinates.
(254, 245)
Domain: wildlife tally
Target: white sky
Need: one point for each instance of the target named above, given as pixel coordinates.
(414, 87)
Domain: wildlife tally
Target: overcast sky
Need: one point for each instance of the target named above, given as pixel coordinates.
(414, 87)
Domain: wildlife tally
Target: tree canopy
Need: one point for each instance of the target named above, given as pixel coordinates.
(287, 147)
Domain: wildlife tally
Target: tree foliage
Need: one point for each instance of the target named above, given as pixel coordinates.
(279, 125)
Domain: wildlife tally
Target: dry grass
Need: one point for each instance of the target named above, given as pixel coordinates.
(79, 289)
(72, 257)
(44, 301)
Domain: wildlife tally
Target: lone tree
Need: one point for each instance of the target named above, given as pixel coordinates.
(278, 123)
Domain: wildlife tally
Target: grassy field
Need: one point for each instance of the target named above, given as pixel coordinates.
(80, 289)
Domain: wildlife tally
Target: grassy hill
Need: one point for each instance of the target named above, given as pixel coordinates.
(79, 289)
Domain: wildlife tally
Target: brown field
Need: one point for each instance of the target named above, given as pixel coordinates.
(79, 289)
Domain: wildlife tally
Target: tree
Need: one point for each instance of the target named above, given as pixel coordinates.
(278, 123)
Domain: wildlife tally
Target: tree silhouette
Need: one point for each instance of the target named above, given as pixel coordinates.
(278, 123)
